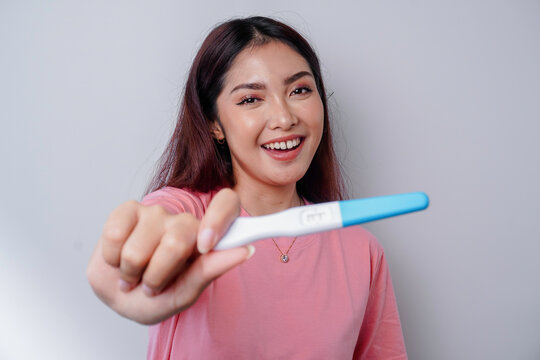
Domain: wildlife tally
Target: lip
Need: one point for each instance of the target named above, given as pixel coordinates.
(285, 138)
(285, 155)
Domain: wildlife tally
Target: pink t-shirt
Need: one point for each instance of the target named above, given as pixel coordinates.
(332, 300)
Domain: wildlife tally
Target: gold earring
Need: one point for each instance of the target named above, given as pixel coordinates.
(221, 141)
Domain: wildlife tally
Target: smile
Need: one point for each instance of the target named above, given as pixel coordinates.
(283, 145)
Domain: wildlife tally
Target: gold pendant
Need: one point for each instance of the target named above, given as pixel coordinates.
(284, 258)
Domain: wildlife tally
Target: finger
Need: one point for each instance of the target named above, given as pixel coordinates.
(141, 244)
(116, 231)
(204, 270)
(175, 248)
(222, 211)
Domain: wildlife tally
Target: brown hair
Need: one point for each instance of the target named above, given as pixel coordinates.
(193, 159)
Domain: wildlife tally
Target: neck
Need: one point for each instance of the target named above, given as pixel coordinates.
(263, 200)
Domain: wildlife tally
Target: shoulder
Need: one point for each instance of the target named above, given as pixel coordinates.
(363, 253)
(355, 238)
(357, 232)
(177, 200)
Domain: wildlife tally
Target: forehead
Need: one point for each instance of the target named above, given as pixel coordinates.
(271, 61)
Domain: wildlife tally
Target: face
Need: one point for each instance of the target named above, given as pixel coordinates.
(271, 115)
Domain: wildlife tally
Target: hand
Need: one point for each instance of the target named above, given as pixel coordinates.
(150, 264)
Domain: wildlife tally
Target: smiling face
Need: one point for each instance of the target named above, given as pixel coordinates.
(271, 115)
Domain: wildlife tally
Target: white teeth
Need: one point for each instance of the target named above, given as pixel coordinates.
(283, 145)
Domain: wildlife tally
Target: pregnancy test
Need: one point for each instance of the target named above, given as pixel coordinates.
(309, 219)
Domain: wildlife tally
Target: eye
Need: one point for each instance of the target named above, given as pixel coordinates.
(301, 90)
(248, 100)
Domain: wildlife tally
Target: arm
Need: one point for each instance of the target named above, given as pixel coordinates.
(146, 265)
(380, 335)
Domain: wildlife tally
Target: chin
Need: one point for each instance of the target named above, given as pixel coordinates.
(284, 180)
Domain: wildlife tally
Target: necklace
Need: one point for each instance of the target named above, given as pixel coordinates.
(284, 257)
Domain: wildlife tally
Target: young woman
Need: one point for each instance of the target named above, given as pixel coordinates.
(253, 137)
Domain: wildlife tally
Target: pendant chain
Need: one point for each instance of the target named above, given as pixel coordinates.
(285, 256)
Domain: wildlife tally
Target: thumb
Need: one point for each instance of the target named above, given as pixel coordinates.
(206, 269)
(222, 211)
(216, 263)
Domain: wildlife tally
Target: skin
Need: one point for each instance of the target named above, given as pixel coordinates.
(149, 264)
(274, 109)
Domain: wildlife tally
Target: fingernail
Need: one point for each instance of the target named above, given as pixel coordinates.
(124, 285)
(147, 291)
(251, 251)
(205, 241)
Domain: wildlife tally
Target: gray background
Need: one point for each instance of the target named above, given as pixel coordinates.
(434, 96)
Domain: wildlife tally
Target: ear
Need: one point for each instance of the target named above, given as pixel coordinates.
(216, 130)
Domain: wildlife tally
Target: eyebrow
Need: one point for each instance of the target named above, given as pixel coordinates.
(261, 86)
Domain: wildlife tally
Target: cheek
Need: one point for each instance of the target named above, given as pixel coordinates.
(240, 127)
(315, 115)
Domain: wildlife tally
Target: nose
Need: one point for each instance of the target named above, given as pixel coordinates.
(281, 115)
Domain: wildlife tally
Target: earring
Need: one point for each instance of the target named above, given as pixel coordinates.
(221, 141)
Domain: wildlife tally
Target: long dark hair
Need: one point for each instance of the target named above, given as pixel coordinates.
(193, 159)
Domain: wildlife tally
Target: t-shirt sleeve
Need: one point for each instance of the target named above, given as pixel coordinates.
(176, 201)
(380, 336)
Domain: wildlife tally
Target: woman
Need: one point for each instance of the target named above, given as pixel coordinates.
(253, 138)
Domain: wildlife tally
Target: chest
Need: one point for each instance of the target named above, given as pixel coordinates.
(310, 307)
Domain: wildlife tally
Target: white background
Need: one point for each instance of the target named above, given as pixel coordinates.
(434, 96)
